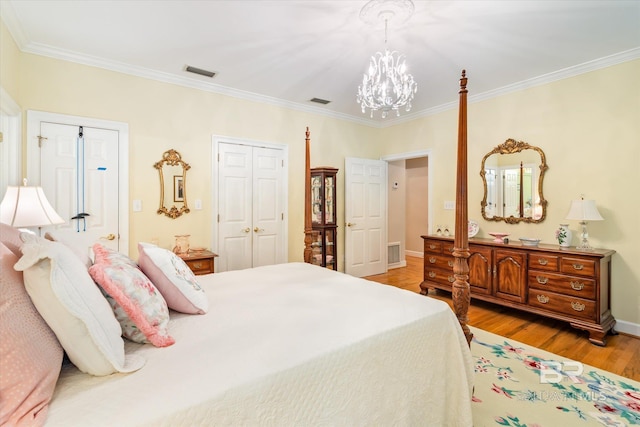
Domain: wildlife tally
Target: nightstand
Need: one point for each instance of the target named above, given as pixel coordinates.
(200, 262)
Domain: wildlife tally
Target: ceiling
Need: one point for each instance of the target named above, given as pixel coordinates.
(287, 52)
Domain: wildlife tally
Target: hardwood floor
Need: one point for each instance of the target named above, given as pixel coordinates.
(620, 356)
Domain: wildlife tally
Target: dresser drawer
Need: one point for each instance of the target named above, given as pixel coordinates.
(433, 246)
(581, 266)
(439, 276)
(545, 262)
(562, 304)
(200, 266)
(567, 285)
(447, 248)
(439, 261)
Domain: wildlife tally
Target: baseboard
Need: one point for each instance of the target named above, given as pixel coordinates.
(400, 264)
(414, 254)
(627, 328)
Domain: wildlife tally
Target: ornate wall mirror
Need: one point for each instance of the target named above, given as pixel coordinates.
(173, 184)
(512, 175)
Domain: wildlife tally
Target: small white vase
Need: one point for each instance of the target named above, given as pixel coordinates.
(563, 235)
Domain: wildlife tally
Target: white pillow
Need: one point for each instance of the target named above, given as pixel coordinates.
(76, 248)
(73, 307)
(173, 278)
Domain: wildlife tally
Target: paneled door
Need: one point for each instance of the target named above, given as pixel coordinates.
(365, 216)
(79, 169)
(251, 206)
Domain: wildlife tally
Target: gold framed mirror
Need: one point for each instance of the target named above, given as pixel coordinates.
(173, 184)
(512, 175)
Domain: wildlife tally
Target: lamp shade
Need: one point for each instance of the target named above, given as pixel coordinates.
(27, 207)
(584, 210)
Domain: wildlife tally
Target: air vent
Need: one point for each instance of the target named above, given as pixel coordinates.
(200, 71)
(319, 100)
(393, 253)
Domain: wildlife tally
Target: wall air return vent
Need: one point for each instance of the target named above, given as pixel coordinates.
(319, 101)
(200, 71)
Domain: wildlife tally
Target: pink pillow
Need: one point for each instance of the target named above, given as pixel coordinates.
(30, 354)
(173, 278)
(10, 236)
(139, 307)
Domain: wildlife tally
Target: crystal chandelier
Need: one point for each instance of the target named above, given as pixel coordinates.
(386, 85)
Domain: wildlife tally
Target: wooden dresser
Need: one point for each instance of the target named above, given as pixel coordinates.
(565, 284)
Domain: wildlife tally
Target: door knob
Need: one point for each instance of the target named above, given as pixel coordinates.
(109, 236)
(350, 224)
(258, 229)
(246, 230)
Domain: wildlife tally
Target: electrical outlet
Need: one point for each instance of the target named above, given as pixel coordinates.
(449, 205)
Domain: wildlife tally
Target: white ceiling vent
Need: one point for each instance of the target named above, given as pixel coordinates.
(200, 71)
(319, 101)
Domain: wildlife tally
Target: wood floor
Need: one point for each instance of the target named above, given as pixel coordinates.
(620, 356)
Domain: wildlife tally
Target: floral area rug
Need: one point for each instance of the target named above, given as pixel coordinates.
(522, 386)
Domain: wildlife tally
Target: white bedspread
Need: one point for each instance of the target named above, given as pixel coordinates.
(288, 345)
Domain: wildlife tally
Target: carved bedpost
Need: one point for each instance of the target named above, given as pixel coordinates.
(460, 287)
(308, 231)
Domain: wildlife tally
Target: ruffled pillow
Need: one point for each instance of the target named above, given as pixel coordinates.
(139, 307)
(30, 354)
(81, 251)
(173, 278)
(73, 306)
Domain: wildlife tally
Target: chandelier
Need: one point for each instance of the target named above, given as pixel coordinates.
(386, 85)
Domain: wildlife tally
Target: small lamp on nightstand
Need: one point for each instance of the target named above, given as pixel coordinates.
(27, 206)
(583, 211)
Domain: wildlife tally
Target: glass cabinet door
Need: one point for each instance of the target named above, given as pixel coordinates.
(329, 191)
(323, 216)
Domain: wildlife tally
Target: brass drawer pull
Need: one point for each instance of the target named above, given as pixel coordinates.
(451, 279)
(578, 266)
(432, 246)
(577, 306)
(450, 263)
(432, 274)
(577, 286)
(543, 299)
(432, 260)
(543, 261)
(542, 280)
(197, 265)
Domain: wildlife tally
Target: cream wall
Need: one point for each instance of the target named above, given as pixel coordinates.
(588, 126)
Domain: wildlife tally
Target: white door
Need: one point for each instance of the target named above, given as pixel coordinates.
(251, 215)
(365, 216)
(82, 174)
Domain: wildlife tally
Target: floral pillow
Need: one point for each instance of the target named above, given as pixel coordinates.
(139, 307)
(173, 278)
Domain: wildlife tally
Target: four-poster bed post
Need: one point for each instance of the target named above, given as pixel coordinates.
(460, 287)
(308, 230)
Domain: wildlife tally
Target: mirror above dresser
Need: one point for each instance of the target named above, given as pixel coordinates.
(512, 175)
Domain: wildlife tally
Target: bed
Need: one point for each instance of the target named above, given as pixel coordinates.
(290, 344)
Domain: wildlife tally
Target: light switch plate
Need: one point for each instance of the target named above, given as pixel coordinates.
(197, 204)
(137, 205)
(449, 205)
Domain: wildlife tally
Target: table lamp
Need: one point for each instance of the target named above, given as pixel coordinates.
(583, 211)
(27, 206)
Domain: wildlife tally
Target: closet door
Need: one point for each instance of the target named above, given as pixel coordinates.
(250, 206)
(79, 175)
